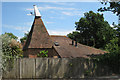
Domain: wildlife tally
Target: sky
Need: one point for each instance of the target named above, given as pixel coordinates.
(59, 17)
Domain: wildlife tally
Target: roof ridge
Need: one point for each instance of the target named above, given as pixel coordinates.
(58, 36)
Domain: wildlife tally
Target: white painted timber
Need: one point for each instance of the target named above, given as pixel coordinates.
(36, 11)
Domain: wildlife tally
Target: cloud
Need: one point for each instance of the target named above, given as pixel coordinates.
(28, 23)
(79, 13)
(64, 3)
(111, 25)
(51, 0)
(26, 27)
(49, 22)
(30, 9)
(18, 28)
(59, 32)
(52, 17)
(60, 17)
(67, 13)
(29, 14)
(19, 37)
(53, 8)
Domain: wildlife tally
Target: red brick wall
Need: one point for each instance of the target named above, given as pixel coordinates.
(32, 56)
(32, 52)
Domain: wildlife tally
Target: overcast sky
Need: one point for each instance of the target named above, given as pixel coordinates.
(58, 17)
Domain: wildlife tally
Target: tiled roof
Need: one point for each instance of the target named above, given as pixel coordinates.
(66, 49)
(38, 36)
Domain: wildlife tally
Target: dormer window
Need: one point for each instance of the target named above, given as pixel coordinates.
(56, 43)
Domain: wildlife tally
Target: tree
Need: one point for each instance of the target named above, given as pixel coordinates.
(11, 49)
(73, 35)
(24, 38)
(111, 59)
(113, 6)
(112, 46)
(94, 30)
(11, 35)
(117, 28)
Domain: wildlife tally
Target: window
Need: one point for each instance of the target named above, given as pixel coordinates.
(56, 43)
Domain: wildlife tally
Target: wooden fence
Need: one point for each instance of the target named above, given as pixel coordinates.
(37, 68)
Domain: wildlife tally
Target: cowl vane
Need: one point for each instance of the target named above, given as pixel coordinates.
(36, 11)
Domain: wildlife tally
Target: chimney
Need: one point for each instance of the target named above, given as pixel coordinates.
(75, 43)
(72, 42)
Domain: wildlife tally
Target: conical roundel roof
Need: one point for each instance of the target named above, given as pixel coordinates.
(38, 36)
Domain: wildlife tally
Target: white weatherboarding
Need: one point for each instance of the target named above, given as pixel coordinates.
(36, 11)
